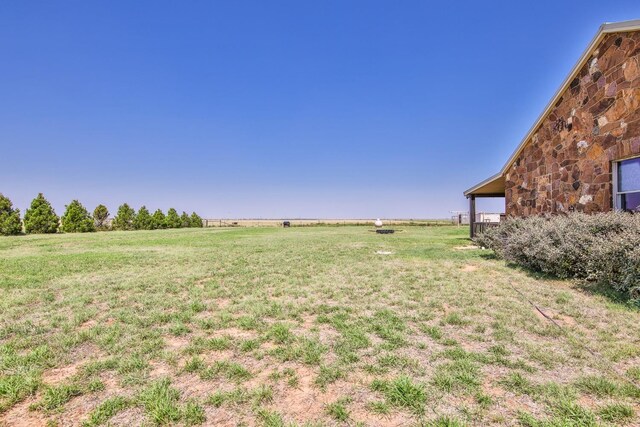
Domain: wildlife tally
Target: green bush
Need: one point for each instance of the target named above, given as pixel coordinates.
(603, 247)
(173, 220)
(40, 217)
(158, 220)
(185, 220)
(10, 224)
(143, 219)
(76, 219)
(196, 221)
(124, 219)
(100, 216)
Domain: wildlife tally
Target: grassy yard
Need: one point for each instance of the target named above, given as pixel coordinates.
(302, 326)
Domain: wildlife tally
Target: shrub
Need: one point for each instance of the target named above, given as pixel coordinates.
(196, 221)
(10, 224)
(76, 219)
(40, 217)
(100, 216)
(185, 221)
(603, 247)
(143, 219)
(173, 220)
(158, 220)
(124, 219)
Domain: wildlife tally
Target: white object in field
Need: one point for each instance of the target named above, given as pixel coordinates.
(378, 223)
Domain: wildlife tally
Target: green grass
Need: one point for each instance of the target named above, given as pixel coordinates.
(303, 326)
(338, 410)
(616, 413)
(106, 410)
(160, 402)
(403, 392)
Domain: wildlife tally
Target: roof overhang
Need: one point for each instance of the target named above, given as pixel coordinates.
(490, 187)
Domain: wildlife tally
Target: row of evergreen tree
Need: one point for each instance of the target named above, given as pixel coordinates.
(41, 218)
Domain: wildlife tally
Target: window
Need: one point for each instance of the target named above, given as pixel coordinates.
(626, 185)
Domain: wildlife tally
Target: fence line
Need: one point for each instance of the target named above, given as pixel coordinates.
(307, 222)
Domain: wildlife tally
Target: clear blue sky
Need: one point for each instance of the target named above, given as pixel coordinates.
(277, 108)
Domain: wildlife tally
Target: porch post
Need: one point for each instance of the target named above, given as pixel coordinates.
(472, 215)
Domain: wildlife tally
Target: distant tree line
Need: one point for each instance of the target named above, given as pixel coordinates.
(40, 218)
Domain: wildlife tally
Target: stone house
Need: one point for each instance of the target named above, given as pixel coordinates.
(583, 151)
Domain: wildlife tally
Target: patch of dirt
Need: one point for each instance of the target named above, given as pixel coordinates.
(268, 345)
(306, 402)
(160, 369)
(308, 321)
(218, 355)
(492, 390)
(469, 268)
(85, 352)
(561, 319)
(88, 324)
(473, 346)
(588, 402)
(567, 320)
(80, 356)
(223, 302)
(235, 333)
(191, 386)
(128, 417)
(466, 248)
(59, 375)
(176, 343)
(20, 416)
(225, 416)
(360, 413)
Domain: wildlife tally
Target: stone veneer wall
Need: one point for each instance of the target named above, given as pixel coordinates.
(567, 163)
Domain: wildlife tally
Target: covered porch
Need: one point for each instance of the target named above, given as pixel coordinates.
(491, 187)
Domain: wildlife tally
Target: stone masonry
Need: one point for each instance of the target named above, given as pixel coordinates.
(566, 165)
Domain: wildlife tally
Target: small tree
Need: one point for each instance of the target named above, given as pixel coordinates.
(173, 220)
(10, 224)
(125, 217)
(143, 219)
(158, 220)
(40, 217)
(185, 221)
(196, 221)
(76, 219)
(100, 215)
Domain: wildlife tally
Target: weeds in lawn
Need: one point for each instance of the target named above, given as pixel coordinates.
(338, 410)
(402, 392)
(179, 326)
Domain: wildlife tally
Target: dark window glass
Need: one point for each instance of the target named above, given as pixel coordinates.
(629, 175)
(630, 202)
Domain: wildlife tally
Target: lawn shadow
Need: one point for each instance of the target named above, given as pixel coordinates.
(619, 298)
(489, 255)
(622, 299)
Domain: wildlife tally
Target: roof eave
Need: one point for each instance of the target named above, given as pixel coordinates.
(482, 184)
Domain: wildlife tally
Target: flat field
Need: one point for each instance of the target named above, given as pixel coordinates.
(244, 222)
(303, 326)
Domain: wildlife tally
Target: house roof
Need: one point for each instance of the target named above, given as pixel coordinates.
(606, 28)
(492, 186)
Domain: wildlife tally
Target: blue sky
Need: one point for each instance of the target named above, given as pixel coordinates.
(277, 109)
